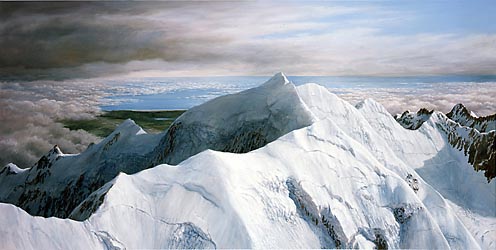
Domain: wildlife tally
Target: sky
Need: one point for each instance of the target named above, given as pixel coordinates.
(205, 38)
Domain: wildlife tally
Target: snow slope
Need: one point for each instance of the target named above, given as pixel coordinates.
(353, 178)
(462, 115)
(429, 152)
(475, 136)
(315, 187)
(236, 123)
(58, 182)
(425, 154)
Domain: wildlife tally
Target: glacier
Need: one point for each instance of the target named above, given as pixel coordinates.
(309, 170)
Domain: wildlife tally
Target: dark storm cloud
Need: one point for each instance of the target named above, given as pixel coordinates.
(36, 36)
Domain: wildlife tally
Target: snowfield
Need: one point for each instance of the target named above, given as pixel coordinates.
(337, 176)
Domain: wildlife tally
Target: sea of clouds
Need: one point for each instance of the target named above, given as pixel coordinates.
(477, 97)
(29, 113)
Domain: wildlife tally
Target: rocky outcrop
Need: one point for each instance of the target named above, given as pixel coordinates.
(236, 123)
(480, 148)
(459, 113)
(59, 182)
(474, 136)
(410, 120)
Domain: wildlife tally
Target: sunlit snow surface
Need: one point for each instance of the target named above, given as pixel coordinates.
(345, 181)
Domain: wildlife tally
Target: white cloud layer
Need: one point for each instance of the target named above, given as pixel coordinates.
(477, 97)
(29, 114)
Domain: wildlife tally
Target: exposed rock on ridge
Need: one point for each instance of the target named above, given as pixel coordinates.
(459, 113)
(474, 136)
(236, 123)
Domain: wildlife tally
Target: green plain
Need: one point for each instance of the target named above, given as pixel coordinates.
(105, 123)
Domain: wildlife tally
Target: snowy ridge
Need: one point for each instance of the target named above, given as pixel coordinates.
(466, 118)
(58, 182)
(480, 148)
(235, 123)
(352, 178)
(306, 198)
(428, 150)
(406, 151)
(459, 114)
(410, 120)
(11, 168)
(474, 136)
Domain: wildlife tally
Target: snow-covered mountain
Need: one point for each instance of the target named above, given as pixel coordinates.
(462, 115)
(474, 136)
(306, 169)
(236, 123)
(58, 182)
(459, 113)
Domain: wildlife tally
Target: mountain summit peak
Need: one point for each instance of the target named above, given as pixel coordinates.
(278, 79)
(55, 151)
(460, 114)
(459, 109)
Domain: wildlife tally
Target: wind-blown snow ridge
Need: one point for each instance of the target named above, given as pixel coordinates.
(410, 120)
(236, 123)
(459, 113)
(464, 117)
(11, 168)
(474, 136)
(352, 178)
(58, 182)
